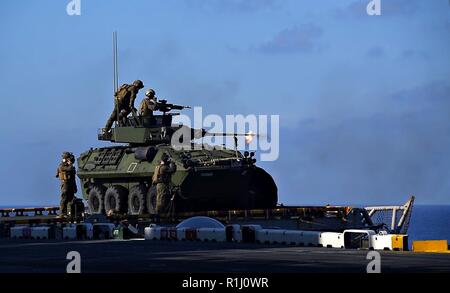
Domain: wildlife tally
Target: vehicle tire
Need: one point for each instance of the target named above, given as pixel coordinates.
(136, 200)
(116, 199)
(151, 200)
(96, 198)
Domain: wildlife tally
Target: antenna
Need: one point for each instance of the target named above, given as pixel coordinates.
(116, 74)
(115, 62)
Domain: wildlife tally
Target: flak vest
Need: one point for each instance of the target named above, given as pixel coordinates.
(159, 176)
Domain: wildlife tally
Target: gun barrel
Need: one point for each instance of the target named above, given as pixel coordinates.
(165, 107)
(179, 106)
(228, 134)
(198, 133)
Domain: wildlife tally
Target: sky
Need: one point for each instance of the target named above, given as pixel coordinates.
(364, 101)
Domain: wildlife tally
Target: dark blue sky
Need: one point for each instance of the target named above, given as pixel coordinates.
(364, 102)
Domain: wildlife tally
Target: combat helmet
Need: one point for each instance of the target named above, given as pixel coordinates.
(138, 83)
(150, 93)
(68, 156)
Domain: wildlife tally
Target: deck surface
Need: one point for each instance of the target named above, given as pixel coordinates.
(164, 256)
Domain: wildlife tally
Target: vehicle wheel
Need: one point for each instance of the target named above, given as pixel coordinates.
(95, 199)
(136, 200)
(151, 200)
(116, 199)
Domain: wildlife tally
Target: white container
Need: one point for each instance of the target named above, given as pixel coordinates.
(309, 238)
(267, 236)
(16, 232)
(181, 234)
(85, 231)
(211, 234)
(262, 236)
(69, 232)
(153, 232)
(41, 232)
(274, 236)
(332, 239)
(293, 237)
(290, 237)
(381, 242)
(363, 234)
(278, 236)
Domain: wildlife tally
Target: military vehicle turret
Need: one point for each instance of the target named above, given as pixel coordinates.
(118, 178)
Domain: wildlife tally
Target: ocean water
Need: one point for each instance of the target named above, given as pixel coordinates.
(428, 222)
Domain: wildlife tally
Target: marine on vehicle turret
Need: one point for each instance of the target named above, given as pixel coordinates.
(118, 179)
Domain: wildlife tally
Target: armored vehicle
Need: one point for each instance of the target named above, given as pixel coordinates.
(119, 178)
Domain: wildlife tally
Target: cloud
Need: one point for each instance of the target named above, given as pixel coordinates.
(298, 39)
(427, 95)
(244, 6)
(380, 158)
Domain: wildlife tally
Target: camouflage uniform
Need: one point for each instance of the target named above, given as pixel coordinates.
(161, 178)
(148, 104)
(66, 173)
(147, 107)
(124, 102)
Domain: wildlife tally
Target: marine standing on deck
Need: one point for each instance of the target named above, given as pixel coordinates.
(148, 104)
(124, 102)
(162, 177)
(66, 173)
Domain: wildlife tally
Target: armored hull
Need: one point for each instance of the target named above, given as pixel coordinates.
(118, 178)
